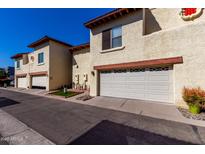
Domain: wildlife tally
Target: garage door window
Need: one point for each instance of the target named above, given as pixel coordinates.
(137, 70)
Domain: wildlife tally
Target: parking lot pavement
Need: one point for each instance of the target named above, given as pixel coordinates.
(65, 122)
(14, 131)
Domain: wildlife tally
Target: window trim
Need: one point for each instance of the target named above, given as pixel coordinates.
(113, 49)
(105, 37)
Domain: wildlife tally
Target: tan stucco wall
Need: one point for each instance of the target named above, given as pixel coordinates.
(177, 38)
(164, 19)
(57, 63)
(33, 67)
(60, 66)
(81, 66)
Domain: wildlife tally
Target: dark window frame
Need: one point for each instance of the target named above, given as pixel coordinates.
(107, 38)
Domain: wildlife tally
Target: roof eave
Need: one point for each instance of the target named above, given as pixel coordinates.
(109, 16)
(80, 47)
(46, 39)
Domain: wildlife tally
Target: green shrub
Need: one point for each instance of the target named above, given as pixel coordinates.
(194, 97)
(195, 109)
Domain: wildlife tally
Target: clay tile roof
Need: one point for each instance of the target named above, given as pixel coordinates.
(46, 39)
(79, 47)
(109, 16)
(18, 55)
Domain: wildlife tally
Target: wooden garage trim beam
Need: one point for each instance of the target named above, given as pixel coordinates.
(145, 63)
(38, 73)
(21, 75)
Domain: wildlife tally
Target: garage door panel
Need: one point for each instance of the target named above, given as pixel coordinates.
(22, 82)
(133, 87)
(158, 87)
(39, 81)
(158, 78)
(146, 85)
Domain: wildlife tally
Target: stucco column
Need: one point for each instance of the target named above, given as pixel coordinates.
(29, 78)
(94, 86)
(15, 82)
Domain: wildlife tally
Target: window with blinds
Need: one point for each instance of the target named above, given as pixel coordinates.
(112, 38)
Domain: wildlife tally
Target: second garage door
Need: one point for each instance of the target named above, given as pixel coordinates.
(39, 82)
(155, 84)
(22, 82)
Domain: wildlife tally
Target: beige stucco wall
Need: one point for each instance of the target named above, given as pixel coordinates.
(33, 66)
(60, 66)
(164, 19)
(81, 66)
(176, 38)
(22, 70)
(57, 64)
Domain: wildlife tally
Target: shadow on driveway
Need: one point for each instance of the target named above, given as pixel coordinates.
(110, 133)
(7, 102)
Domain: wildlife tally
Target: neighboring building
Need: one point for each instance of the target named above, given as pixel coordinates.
(10, 72)
(10, 75)
(7, 76)
(81, 66)
(2, 73)
(49, 66)
(147, 54)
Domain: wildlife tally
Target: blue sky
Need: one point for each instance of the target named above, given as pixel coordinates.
(20, 27)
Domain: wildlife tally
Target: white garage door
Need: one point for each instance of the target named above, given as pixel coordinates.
(39, 81)
(22, 82)
(147, 84)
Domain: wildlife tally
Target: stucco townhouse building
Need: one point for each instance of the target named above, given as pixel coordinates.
(48, 66)
(146, 54)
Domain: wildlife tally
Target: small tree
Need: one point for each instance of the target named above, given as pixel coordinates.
(2, 73)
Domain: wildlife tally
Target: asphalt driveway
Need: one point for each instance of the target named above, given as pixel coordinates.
(65, 122)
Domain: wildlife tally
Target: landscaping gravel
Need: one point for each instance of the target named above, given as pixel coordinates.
(187, 114)
(2, 141)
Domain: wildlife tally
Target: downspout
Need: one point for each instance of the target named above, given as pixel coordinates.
(144, 21)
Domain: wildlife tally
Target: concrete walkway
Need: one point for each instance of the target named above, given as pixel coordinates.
(146, 108)
(15, 132)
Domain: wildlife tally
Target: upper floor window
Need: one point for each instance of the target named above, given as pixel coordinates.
(116, 37)
(112, 38)
(18, 64)
(41, 58)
